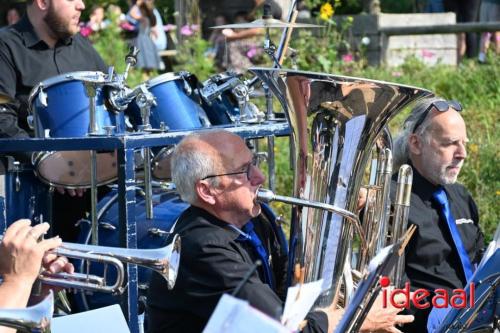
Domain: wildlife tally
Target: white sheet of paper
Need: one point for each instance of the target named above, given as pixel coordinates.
(233, 315)
(103, 320)
(296, 308)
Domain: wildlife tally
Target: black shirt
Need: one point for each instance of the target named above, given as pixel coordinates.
(431, 258)
(26, 60)
(212, 263)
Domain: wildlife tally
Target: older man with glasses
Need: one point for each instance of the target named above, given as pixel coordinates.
(218, 175)
(448, 242)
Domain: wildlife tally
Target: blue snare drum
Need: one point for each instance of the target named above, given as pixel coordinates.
(60, 109)
(167, 207)
(176, 109)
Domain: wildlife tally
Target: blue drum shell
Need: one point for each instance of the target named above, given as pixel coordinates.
(67, 113)
(167, 207)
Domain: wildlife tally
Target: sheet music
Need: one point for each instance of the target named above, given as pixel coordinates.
(103, 320)
(234, 315)
(299, 301)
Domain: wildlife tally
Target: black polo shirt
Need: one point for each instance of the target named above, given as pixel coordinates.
(26, 60)
(431, 259)
(212, 263)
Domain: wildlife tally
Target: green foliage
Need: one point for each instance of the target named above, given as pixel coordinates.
(322, 52)
(192, 57)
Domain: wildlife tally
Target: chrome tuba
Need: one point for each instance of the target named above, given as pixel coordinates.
(334, 121)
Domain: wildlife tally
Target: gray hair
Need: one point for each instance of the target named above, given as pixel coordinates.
(401, 151)
(189, 165)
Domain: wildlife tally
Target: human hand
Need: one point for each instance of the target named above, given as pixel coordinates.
(362, 196)
(21, 254)
(380, 319)
(228, 32)
(72, 192)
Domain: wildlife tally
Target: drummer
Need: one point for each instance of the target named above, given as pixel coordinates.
(43, 44)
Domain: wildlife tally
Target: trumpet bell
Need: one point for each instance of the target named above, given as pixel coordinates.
(32, 319)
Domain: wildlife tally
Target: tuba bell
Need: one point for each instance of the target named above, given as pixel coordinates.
(334, 121)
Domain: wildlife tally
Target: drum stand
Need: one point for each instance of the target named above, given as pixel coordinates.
(144, 101)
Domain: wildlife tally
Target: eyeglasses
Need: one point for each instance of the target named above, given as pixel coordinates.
(441, 106)
(248, 170)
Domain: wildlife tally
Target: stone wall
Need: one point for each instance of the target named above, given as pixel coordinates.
(393, 50)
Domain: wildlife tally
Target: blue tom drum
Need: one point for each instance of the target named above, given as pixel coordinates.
(177, 108)
(60, 108)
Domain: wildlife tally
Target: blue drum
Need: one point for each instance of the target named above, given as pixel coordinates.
(176, 109)
(176, 105)
(167, 207)
(59, 108)
(224, 109)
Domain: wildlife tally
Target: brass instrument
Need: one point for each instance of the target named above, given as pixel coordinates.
(400, 217)
(334, 121)
(165, 261)
(33, 319)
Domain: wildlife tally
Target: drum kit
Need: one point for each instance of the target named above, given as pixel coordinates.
(86, 104)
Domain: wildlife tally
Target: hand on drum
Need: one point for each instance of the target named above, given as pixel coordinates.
(72, 192)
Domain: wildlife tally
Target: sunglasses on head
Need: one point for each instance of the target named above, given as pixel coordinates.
(441, 106)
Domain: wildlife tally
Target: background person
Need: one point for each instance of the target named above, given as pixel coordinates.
(448, 242)
(43, 44)
(217, 174)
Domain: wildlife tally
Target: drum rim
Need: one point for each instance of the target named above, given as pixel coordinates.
(42, 155)
(99, 77)
(166, 77)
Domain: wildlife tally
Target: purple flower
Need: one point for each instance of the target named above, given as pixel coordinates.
(252, 52)
(347, 57)
(186, 31)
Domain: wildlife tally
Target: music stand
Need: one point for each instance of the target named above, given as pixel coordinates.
(486, 279)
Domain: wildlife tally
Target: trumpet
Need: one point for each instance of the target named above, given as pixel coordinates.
(164, 261)
(34, 319)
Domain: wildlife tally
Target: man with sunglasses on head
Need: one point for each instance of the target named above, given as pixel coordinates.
(217, 174)
(448, 242)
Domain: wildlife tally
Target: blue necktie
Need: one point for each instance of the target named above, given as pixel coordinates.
(442, 200)
(250, 236)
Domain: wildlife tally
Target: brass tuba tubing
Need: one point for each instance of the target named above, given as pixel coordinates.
(400, 220)
(33, 319)
(266, 196)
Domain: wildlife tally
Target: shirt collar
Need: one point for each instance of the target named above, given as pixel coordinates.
(233, 231)
(29, 35)
(421, 186)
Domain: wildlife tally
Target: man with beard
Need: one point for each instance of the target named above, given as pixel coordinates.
(448, 242)
(43, 44)
(218, 175)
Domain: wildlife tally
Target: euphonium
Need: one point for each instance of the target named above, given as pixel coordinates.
(33, 319)
(334, 122)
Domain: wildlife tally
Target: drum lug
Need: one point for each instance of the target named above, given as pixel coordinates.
(187, 88)
(158, 232)
(42, 97)
(31, 122)
(108, 226)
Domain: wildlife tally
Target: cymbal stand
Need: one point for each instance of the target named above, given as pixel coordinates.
(144, 101)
